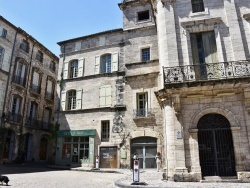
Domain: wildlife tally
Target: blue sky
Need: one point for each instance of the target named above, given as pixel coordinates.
(52, 21)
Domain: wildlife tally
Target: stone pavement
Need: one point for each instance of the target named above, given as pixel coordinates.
(153, 179)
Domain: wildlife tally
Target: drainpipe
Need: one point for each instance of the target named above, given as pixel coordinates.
(8, 79)
(25, 99)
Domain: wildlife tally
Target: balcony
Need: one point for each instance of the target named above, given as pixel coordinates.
(19, 80)
(142, 113)
(33, 123)
(35, 88)
(46, 126)
(13, 117)
(206, 72)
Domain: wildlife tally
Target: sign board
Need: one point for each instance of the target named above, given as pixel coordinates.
(123, 154)
(178, 134)
(136, 171)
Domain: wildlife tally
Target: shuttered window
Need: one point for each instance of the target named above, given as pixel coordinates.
(105, 132)
(106, 63)
(105, 96)
(71, 100)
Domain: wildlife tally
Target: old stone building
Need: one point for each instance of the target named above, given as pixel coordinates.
(27, 95)
(174, 79)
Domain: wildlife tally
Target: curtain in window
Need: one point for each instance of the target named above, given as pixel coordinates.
(210, 49)
(194, 49)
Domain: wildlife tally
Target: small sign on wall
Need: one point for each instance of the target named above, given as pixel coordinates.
(178, 134)
(123, 154)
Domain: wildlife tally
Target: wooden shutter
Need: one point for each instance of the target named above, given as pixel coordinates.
(79, 99)
(65, 70)
(115, 62)
(81, 63)
(6, 63)
(102, 96)
(63, 101)
(97, 64)
(108, 95)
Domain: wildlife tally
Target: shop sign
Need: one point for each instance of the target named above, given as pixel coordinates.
(63, 133)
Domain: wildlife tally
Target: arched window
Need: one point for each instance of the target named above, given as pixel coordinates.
(197, 6)
(74, 69)
(106, 63)
(71, 99)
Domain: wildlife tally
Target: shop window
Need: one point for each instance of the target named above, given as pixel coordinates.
(66, 151)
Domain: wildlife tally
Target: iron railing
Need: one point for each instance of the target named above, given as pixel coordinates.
(13, 117)
(141, 113)
(211, 71)
(19, 80)
(35, 88)
(38, 124)
(49, 95)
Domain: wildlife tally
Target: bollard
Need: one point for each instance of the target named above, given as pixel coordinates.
(97, 162)
(136, 172)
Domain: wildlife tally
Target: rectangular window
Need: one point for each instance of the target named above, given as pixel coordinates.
(142, 16)
(35, 86)
(39, 56)
(66, 151)
(25, 46)
(197, 6)
(74, 69)
(142, 105)
(49, 90)
(52, 66)
(72, 100)
(19, 77)
(4, 33)
(145, 54)
(105, 131)
(15, 109)
(1, 54)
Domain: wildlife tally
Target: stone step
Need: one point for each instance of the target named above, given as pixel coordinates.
(217, 179)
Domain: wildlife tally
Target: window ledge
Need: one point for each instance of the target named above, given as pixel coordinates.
(142, 62)
(196, 14)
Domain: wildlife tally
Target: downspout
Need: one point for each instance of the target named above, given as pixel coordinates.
(8, 79)
(153, 12)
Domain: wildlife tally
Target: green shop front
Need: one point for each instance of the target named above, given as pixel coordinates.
(76, 147)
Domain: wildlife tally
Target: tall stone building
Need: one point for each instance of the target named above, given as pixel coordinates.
(27, 95)
(174, 79)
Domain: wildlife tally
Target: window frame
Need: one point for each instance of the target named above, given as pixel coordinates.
(105, 131)
(106, 63)
(4, 33)
(145, 57)
(73, 69)
(39, 56)
(71, 100)
(144, 14)
(25, 46)
(197, 6)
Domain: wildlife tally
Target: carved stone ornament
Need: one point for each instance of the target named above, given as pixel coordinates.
(117, 123)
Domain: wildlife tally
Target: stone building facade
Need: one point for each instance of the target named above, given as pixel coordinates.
(174, 79)
(28, 89)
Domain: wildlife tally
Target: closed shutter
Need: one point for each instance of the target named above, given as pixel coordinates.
(79, 99)
(108, 95)
(63, 101)
(115, 62)
(97, 64)
(36, 79)
(6, 63)
(102, 96)
(81, 67)
(65, 70)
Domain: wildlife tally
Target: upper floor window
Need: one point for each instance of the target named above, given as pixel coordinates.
(74, 69)
(25, 46)
(39, 56)
(105, 129)
(15, 108)
(142, 16)
(20, 73)
(105, 95)
(50, 90)
(1, 55)
(71, 100)
(52, 66)
(145, 54)
(197, 6)
(3, 33)
(4, 59)
(32, 114)
(142, 105)
(36, 82)
(106, 63)
(46, 118)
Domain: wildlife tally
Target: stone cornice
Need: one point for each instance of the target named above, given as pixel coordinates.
(207, 21)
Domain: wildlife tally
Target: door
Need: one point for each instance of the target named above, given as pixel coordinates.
(108, 157)
(145, 148)
(43, 149)
(216, 149)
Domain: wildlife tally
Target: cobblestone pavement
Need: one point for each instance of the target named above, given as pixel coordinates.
(39, 176)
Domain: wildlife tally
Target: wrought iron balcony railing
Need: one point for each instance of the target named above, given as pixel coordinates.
(33, 123)
(13, 117)
(46, 126)
(212, 71)
(141, 113)
(35, 88)
(19, 80)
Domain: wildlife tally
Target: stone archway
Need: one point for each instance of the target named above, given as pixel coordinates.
(216, 150)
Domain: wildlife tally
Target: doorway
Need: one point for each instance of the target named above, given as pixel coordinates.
(216, 149)
(43, 149)
(145, 148)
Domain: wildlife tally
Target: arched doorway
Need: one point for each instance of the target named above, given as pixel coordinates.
(146, 148)
(43, 149)
(28, 146)
(216, 149)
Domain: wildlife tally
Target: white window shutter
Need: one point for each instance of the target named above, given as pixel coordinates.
(80, 67)
(108, 95)
(6, 63)
(63, 100)
(115, 62)
(102, 96)
(97, 64)
(79, 99)
(65, 71)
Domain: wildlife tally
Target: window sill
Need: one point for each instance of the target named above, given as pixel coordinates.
(197, 14)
